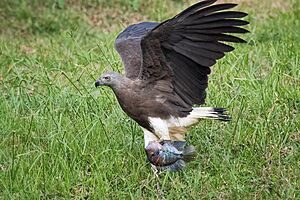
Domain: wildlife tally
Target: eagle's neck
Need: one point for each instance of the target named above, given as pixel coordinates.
(122, 85)
(128, 95)
(123, 89)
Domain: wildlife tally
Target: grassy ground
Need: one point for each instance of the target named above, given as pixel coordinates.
(61, 138)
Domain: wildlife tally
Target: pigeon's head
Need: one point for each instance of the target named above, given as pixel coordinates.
(153, 150)
(110, 79)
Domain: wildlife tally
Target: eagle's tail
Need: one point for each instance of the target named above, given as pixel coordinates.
(210, 113)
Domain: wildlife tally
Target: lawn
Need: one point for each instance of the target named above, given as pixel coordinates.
(61, 138)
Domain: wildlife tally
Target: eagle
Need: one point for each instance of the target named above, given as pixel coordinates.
(167, 66)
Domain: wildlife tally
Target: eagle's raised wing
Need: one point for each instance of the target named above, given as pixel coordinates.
(179, 51)
(128, 45)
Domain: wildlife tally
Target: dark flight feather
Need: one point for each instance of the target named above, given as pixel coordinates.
(209, 10)
(225, 29)
(194, 8)
(193, 46)
(217, 24)
(219, 16)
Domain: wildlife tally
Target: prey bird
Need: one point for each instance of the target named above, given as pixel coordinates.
(170, 155)
(167, 66)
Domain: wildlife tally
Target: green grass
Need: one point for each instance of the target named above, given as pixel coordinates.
(61, 138)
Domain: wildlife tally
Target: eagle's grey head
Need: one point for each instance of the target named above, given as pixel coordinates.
(111, 79)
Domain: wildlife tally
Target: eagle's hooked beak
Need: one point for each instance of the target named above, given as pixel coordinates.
(98, 83)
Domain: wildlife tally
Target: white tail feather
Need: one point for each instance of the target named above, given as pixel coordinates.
(204, 113)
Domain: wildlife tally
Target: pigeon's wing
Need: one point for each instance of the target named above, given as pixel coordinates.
(128, 45)
(179, 52)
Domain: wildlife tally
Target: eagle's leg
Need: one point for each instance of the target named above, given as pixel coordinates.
(161, 128)
(149, 137)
